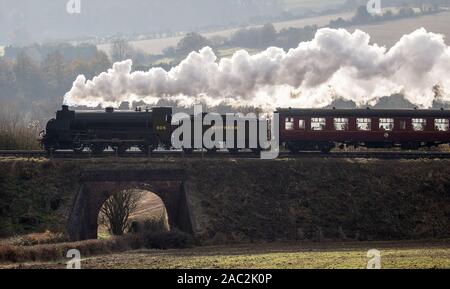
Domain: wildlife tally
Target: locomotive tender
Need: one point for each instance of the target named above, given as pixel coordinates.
(299, 129)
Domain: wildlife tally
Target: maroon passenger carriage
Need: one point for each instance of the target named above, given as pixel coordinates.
(324, 129)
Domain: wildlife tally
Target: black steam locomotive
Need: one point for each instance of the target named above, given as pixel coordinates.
(121, 130)
(98, 130)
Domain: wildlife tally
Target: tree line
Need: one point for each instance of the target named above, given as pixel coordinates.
(32, 87)
(265, 36)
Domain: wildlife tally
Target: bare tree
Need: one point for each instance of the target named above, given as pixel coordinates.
(121, 50)
(117, 209)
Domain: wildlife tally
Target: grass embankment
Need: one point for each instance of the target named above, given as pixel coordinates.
(320, 199)
(253, 200)
(35, 195)
(275, 255)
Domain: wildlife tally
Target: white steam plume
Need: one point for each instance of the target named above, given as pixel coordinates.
(336, 63)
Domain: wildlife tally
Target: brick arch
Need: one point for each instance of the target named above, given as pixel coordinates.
(97, 187)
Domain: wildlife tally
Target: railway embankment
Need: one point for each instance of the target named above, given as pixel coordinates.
(233, 201)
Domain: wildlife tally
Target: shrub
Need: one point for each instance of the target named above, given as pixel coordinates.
(52, 252)
(155, 225)
(155, 234)
(168, 240)
(39, 239)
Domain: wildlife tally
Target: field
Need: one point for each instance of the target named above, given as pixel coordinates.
(228, 52)
(405, 254)
(156, 46)
(296, 4)
(319, 21)
(435, 23)
(388, 33)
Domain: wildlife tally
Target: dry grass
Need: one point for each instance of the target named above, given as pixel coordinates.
(403, 254)
(52, 252)
(15, 132)
(47, 246)
(34, 239)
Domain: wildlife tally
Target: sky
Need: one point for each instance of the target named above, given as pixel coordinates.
(26, 21)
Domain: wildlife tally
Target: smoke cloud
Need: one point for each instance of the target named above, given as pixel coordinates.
(335, 64)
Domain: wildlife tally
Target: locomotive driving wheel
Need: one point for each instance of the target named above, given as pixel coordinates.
(188, 151)
(121, 149)
(146, 149)
(97, 149)
(211, 150)
(78, 150)
(233, 151)
(256, 151)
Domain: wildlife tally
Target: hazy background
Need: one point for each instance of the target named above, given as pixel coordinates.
(25, 21)
(43, 48)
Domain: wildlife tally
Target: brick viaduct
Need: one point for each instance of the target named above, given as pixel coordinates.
(98, 185)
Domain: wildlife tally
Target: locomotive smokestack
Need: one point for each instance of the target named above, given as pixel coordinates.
(65, 108)
(109, 109)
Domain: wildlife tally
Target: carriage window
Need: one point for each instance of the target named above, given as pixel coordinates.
(289, 123)
(317, 123)
(364, 123)
(419, 124)
(386, 124)
(441, 124)
(301, 124)
(341, 123)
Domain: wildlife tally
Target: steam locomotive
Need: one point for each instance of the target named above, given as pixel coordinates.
(146, 130)
(120, 130)
(299, 129)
